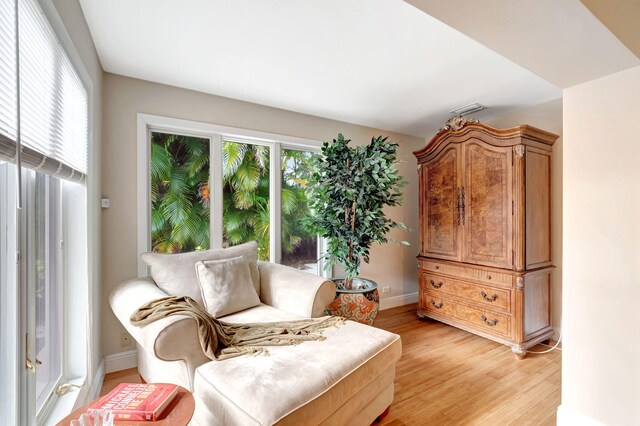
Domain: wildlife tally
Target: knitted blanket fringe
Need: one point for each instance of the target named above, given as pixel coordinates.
(221, 340)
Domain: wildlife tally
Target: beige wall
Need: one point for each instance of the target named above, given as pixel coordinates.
(391, 265)
(547, 116)
(601, 350)
(76, 27)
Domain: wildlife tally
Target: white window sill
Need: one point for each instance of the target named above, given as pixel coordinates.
(66, 403)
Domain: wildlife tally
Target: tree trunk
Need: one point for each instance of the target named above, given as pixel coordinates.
(347, 283)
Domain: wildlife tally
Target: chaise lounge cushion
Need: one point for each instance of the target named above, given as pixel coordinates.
(303, 384)
(175, 274)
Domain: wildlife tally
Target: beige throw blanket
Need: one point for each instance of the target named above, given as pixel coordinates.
(221, 340)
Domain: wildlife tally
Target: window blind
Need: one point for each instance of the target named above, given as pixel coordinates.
(53, 101)
(8, 99)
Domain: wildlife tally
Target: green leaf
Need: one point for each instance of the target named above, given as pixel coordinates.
(349, 190)
(232, 157)
(289, 200)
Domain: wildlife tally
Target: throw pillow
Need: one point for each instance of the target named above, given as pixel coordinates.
(226, 286)
(175, 274)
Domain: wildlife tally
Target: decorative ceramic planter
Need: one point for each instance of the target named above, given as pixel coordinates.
(359, 304)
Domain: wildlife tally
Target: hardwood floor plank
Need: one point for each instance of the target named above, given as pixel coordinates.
(447, 376)
(112, 380)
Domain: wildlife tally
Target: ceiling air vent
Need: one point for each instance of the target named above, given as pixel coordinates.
(467, 109)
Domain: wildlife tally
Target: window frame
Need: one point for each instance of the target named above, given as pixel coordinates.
(54, 261)
(79, 267)
(217, 135)
(11, 296)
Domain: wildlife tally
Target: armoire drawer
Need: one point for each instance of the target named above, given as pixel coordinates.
(484, 319)
(467, 272)
(491, 297)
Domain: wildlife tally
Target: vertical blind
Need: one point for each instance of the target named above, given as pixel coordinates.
(53, 100)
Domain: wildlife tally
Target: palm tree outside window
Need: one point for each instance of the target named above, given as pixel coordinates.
(181, 197)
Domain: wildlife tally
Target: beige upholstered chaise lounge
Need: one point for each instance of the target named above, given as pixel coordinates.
(346, 379)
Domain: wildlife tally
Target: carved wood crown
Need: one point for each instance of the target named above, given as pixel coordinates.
(458, 122)
(459, 129)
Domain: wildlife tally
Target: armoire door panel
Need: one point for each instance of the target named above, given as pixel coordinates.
(442, 239)
(538, 209)
(487, 197)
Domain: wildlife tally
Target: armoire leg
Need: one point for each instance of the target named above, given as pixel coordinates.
(519, 352)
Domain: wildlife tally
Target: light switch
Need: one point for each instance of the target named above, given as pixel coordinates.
(104, 203)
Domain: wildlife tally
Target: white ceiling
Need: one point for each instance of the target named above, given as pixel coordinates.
(379, 63)
(559, 40)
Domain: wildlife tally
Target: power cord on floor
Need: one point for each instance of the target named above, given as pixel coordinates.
(554, 347)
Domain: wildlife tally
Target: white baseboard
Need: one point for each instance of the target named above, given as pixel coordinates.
(120, 361)
(96, 383)
(395, 301)
(569, 417)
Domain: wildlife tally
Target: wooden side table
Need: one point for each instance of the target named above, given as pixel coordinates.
(178, 413)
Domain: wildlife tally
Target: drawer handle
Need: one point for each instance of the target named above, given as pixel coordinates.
(489, 323)
(488, 277)
(438, 306)
(487, 298)
(436, 267)
(434, 285)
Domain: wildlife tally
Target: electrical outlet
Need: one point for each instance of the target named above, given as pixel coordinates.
(386, 289)
(125, 340)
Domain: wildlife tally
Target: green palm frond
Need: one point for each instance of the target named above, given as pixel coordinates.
(232, 156)
(234, 220)
(158, 221)
(262, 156)
(154, 191)
(197, 164)
(247, 176)
(184, 231)
(175, 207)
(160, 162)
(178, 181)
(244, 199)
(196, 147)
(289, 201)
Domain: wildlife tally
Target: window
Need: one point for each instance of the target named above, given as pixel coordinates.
(179, 193)
(209, 186)
(43, 165)
(245, 195)
(299, 248)
(9, 296)
(44, 266)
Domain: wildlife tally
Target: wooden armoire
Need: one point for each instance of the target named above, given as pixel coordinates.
(485, 231)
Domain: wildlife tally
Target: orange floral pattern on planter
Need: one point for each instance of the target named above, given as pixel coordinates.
(360, 307)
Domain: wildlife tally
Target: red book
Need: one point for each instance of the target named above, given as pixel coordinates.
(136, 401)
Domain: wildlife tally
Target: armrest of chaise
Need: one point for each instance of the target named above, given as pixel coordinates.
(294, 291)
(170, 339)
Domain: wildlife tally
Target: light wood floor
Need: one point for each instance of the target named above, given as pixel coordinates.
(448, 376)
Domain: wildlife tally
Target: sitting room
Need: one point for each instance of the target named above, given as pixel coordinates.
(319, 213)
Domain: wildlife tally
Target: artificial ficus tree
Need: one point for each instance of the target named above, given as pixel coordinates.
(350, 188)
